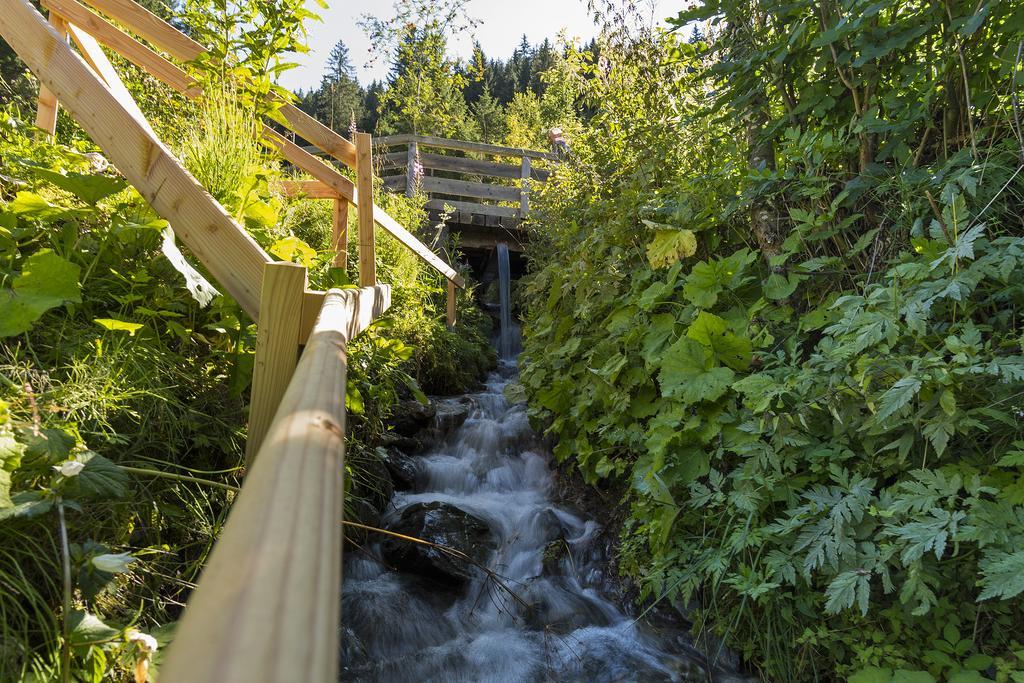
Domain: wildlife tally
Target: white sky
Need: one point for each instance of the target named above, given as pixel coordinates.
(502, 25)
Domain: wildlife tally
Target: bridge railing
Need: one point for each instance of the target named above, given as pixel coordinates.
(480, 181)
(267, 605)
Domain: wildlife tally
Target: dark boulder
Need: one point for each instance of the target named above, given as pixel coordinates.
(406, 444)
(451, 413)
(405, 471)
(441, 524)
(409, 417)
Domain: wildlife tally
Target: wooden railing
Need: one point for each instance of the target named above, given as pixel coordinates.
(477, 185)
(267, 606)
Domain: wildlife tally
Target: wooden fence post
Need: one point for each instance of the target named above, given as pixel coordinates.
(46, 115)
(410, 164)
(339, 241)
(277, 347)
(451, 305)
(524, 192)
(364, 196)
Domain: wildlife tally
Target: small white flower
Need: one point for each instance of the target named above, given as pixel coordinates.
(113, 564)
(70, 468)
(147, 643)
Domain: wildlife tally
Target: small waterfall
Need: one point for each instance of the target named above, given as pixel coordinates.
(408, 626)
(504, 299)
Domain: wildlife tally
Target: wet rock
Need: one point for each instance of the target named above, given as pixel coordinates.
(405, 471)
(551, 558)
(410, 417)
(554, 609)
(441, 524)
(406, 444)
(451, 413)
(353, 652)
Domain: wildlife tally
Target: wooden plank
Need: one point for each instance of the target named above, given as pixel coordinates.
(524, 196)
(277, 347)
(313, 189)
(440, 162)
(465, 188)
(473, 208)
(46, 114)
(231, 255)
(123, 44)
(305, 161)
(412, 156)
(365, 210)
(343, 186)
(463, 146)
(181, 47)
(395, 182)
(267, 607)
(339, 233)
(151, 27)
(450, 308)
(311, 130)
(97, 59)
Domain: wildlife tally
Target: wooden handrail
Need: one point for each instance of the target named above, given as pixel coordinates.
(267, 606)
(168, 38)
(462, 146)
(234, 259)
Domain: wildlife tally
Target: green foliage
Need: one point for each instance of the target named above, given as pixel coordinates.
(816, 402)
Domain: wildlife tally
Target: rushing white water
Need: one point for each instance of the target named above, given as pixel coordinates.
(505, 346)
(401, 627)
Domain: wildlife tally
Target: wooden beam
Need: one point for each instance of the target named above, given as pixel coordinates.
(412, 156)
(365, 210)
(464, 188)
(339, 233)
(277, 347)
(450, 308)
(524, 192)
(267, 607)
(332, 179)
(123, 44)
(474, 208)
(463, 146)
(151, 27)
(231, 255)
(97, 59)
(46, 114)
(313, 189)
(183, 48)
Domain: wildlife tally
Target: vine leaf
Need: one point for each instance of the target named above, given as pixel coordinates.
(670, 246)
(685, 374)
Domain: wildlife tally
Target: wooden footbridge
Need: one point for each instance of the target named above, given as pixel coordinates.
(479, 191)
(267, 607)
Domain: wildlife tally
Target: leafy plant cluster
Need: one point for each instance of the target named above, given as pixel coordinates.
(776, 291)
(124, 383)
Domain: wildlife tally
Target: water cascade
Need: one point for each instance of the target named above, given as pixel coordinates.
(413, 613)
(505, 303)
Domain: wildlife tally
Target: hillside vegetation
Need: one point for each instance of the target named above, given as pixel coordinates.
(777, 291)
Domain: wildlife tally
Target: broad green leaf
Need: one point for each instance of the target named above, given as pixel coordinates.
(905, 676)
(685, 374)
(50, 445)
(669, 246)
(119, 325)
(295, 250)
(88, 629)
(26, 504)
(89, 187)
(779, 287)
(871, 674)
(10, 459)
(726, 347)
(100, 479)
(46, 281)
(30, 205)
